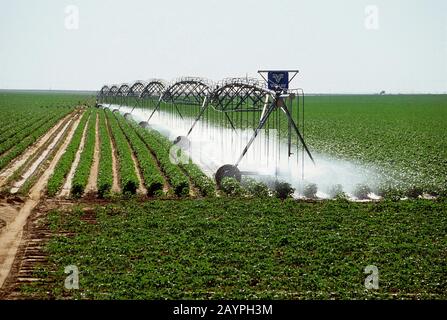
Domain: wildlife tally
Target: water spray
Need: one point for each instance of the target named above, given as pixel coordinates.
(246, 106)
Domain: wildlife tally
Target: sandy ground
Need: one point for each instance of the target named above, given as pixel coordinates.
(8, 211)
(11, 234)
(65, 192)
(115, 185)
(92, 180)
(141, 189)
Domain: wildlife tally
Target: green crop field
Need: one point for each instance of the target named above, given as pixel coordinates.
(403, 137)
(247, 248)
(139, 226)
(223, 159)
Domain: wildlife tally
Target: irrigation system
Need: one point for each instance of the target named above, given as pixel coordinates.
(236, 105)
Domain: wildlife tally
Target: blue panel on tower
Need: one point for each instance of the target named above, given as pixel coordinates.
(278, 80)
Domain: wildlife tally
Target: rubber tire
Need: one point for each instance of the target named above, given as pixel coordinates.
(227, 170)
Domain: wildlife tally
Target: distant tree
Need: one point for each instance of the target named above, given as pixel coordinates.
(382, 92)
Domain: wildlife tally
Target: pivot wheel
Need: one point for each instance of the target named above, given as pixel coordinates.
(144, 124)
(227, 170)
(183, 142)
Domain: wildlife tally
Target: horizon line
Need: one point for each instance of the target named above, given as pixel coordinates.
(306, 93)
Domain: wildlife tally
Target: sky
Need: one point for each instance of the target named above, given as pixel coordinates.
(342, 46)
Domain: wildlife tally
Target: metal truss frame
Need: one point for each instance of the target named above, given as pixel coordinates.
(185, 91)
(229, 95)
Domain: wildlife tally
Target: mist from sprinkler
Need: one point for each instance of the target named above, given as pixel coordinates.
(212, 146)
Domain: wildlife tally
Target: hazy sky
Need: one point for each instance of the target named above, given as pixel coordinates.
(338, 46)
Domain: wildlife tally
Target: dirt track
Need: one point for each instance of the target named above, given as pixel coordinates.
(31, 251)
(11, 234)
(141, 188)
(115, 185)
(92, 180)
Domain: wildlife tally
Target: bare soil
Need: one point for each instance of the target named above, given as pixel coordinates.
(92, 180)
(8, 211)
(35, 236)
(11, 234)
(141, 188)
(30, 253)
(115, 185)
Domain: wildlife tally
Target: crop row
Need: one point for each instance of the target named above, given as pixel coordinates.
(64, 165)
(206, 185)
(18, 126)
(8, 121)
(105, 171)
(82, 173)
(153, 180)
(128, 176)
(176, 177)
(21, 133)
(33, 134)
(13, 118)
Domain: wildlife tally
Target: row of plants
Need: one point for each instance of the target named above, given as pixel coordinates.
(128, 176)
(22, 133)
(177, 179)
(66, 161)
(16, 127)
(249, 187)
(33, 135)
(8, 121)
(105, 171)
(153, 180)
(205, 185)
(82, 173)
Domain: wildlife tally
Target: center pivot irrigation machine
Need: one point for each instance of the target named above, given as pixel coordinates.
(240, 105)
(185, 94)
